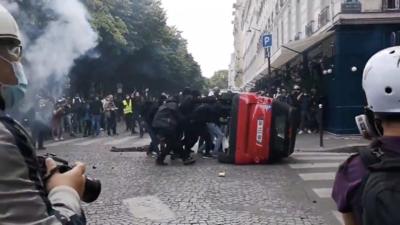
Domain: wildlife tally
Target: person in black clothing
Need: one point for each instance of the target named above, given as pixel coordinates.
(138, 114)
(283, 97)
(110, 111)
(304, 100)
(190, 129)
(96, 109)
(42, 112)
(87, 125)
(293, 97)
(78, 114)
(166, 122)
(149, 110)
(196, 127)
(209, 112)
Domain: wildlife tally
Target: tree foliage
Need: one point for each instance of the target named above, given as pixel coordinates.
(136, 48)
(219, 79)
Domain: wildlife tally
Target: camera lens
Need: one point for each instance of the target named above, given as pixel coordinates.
(92, 190)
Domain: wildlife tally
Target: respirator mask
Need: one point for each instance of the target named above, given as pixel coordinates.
(12, 76)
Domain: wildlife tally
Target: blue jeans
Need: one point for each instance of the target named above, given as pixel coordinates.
(96, 123)
(216, 134)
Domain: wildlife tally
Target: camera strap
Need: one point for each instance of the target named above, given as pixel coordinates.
(51, 173)
(25, 147)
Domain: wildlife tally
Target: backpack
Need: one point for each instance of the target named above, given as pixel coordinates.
(379, 194)
(165, 117)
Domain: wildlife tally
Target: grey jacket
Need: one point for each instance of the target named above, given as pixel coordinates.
(23, 199)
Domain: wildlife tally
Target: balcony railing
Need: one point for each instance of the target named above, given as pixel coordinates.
(351, 6)
(323, 17)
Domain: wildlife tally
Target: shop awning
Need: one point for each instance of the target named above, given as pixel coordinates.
(293, 49)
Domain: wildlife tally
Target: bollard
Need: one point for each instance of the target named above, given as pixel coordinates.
(321, 128)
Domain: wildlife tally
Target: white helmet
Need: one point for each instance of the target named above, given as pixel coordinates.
(381, 82)
(10, 41)
(8, 26)
(13, 82)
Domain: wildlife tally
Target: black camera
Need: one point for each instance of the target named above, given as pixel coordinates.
(92, 186)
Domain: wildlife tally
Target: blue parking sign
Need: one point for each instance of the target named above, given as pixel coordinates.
(267, 40)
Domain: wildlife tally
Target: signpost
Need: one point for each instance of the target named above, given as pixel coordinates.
(267, 40)
(267, 44)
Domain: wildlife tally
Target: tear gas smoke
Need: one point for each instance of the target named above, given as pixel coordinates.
(49, 57)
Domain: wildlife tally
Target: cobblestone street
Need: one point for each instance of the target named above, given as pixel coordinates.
(136, 191)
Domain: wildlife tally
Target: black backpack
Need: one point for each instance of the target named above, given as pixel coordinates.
(379, 194)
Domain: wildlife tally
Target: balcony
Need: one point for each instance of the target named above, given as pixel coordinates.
(351, 6)
(323, 17)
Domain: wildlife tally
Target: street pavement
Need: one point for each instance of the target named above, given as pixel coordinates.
(295, 191)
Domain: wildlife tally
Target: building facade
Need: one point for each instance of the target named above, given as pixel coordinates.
(325, 42)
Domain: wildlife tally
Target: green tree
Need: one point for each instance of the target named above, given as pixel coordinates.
(136, 47)
(219, 79)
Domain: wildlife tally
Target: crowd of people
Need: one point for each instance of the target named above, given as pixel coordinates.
(306, 101)
(78, 116)
(174, 123)
(177, 123)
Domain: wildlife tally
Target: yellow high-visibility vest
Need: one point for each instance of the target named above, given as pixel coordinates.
(127, 106)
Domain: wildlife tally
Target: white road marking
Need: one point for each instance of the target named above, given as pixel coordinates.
(317, 176)
(338, 216)
(320, 154)
(323, 192)
(316, 158)
(314, 165)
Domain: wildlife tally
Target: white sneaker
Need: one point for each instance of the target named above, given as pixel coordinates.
(309, 131)
(61, 139)
(300, 132)
(55, 139)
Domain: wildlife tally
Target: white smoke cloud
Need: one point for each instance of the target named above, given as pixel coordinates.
(63, 41)
(49, 58)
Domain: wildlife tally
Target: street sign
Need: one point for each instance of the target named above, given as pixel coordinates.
(267, 40)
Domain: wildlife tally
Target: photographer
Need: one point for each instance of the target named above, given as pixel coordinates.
(24, 198)
(366, 187)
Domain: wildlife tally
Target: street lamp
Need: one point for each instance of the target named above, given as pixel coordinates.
(354, 69)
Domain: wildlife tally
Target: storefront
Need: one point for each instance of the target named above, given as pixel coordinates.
(333, 62)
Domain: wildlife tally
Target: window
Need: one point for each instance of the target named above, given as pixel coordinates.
(391, 4)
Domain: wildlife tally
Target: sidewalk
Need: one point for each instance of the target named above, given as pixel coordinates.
(332, 143)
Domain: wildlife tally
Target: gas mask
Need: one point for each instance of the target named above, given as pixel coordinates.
(368, 126)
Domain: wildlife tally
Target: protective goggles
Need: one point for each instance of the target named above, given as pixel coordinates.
(10, 52)
(9, 55)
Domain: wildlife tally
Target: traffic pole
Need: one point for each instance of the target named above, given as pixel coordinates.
(321, 128)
